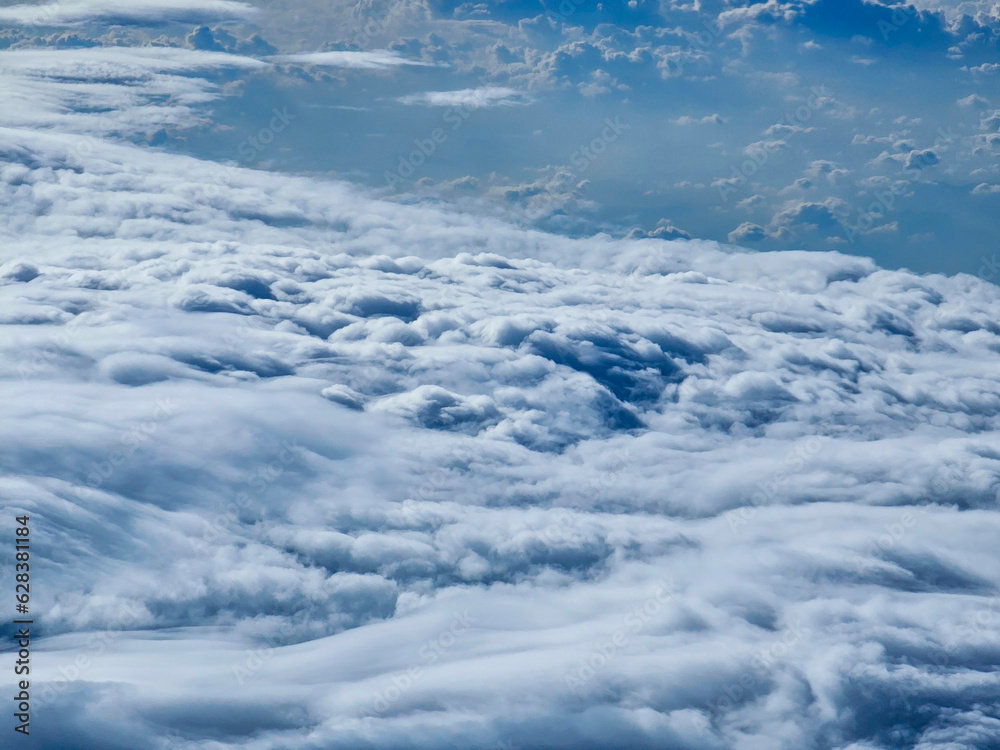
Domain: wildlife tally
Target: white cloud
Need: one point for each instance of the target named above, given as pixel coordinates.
(77, 12)
(487, 96)
(984, 69)
(357, 59)
(550, 427)
(95, 64)
(747, 232)
(984, 188)
(321, 462)
(973, 100)
(110, 90)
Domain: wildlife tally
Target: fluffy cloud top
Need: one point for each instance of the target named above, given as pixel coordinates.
(309, 469)
(362, 60)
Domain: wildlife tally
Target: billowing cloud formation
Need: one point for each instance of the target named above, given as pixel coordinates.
(308, 469)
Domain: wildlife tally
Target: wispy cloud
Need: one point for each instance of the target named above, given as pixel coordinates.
(360, 60)
(713, 119)
(79, 12)
(488, 96)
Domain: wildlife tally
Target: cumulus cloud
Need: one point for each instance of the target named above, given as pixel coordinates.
(664, 230)
(973, 100)
(747, 232)
(810, 213)
(985, 188)
(920, 159)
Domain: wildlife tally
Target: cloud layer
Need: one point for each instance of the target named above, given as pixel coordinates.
(77, 12)
(312, 469)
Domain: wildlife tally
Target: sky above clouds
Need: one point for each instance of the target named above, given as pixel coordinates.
(854, 126)
(503, 375)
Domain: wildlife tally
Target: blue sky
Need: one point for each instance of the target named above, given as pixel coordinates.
(852, 126)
